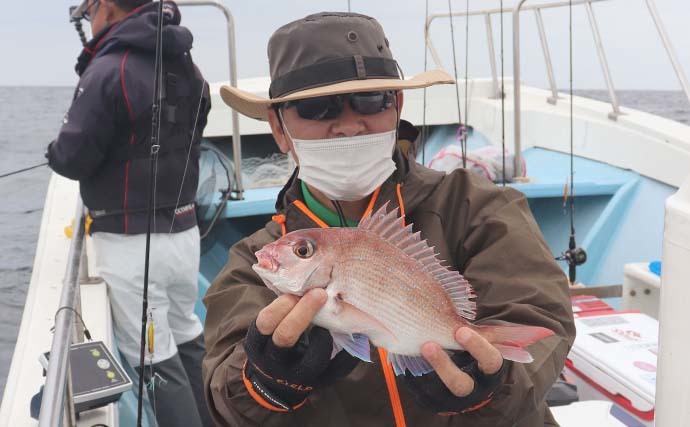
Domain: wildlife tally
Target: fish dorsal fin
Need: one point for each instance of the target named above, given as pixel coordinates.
(389, 227)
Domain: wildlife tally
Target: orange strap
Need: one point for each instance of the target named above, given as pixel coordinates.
(473, 408)
(383, 355)
(400, 202)
(370, 206)
(388, 374)
(280, 219)
(310, 214)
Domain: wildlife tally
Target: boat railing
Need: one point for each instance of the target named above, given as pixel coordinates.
(57, 402)
(553, 98)
(236, 138)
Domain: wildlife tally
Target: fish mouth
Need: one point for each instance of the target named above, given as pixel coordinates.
(267, 262)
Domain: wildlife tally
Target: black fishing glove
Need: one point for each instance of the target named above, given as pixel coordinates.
(431, 393)
(284, 377)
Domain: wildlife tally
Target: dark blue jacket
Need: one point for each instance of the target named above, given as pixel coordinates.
(105, 139)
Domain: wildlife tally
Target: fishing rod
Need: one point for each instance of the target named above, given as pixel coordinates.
(503, 106)
(465, 129)
(23, 170)
(424, 127)
(457, 90)
(155, 146)
(575, 255)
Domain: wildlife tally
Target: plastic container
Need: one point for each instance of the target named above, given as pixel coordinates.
(614, 358)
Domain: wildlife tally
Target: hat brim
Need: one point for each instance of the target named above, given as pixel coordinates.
(257, 107)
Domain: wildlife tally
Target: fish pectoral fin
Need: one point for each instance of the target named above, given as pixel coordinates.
(417, 365)
(510, 339)
(366, 323)
(516, 354)
(355, 344)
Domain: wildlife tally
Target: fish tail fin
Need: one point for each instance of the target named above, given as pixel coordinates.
(510, 339)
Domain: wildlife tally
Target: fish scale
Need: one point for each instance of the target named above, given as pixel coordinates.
(385, 285)
(397, 279)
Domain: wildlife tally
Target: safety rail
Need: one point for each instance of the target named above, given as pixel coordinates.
(236, 138)
(58, 402)
(553, 99)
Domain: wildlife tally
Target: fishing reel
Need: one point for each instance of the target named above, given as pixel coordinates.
(574, 257)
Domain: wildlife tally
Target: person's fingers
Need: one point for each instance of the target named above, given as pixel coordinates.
(297, 320)
(270, 316)
(458, 382)
(488, 358)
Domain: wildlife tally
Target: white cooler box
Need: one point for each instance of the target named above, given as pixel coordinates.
(614, 358)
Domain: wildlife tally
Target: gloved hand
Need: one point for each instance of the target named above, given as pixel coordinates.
(284, 377)
(431, 393)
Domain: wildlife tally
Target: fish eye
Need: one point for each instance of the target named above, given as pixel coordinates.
(304, 249)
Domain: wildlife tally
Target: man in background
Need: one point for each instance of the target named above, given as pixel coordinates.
(105, 144)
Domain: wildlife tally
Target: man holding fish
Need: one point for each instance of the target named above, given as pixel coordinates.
(445, 277)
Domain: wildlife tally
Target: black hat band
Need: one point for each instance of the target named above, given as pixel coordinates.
(333, 71)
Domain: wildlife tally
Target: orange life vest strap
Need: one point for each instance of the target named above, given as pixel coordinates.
(280, 219)
(310, 214)
(383, 355)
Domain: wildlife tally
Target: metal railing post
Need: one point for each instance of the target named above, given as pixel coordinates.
(56, 374)
(516, 54)
(547, 58)
(669, 49)
(236, 138)
(78, 328)
(69, 417)
(430, 44)
(492, 57)
(604, 64)
(516, 88)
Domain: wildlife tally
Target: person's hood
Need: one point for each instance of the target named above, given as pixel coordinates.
(138, 31)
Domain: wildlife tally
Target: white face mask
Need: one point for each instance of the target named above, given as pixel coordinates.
(347, 168)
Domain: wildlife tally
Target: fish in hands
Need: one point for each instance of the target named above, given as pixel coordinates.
(385, 285)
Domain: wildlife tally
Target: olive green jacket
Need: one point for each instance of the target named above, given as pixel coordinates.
(486, 232)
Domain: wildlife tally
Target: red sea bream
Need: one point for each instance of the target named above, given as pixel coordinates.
(384, 285)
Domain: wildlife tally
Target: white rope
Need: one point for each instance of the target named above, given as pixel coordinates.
(426, 54)
(189, 152)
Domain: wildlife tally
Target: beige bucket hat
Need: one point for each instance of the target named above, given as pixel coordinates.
(327, 54)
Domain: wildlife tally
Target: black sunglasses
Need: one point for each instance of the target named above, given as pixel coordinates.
(331, 106)
(87, 15)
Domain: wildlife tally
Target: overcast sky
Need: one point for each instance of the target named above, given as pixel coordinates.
(39, 45)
